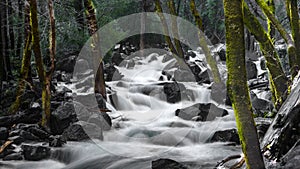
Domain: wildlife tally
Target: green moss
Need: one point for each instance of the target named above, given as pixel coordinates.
(237, 83)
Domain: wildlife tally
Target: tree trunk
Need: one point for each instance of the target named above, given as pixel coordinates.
(165, 27)
(278, 80)
(294, 23)
(237, 83)
(288, 39)
(25, 67)
(11, 28)
(39, 62)
(210, 60)
(20, 37)
(92, 27)
(5, 40)
(174, 26)
(271, 28)
(48, 78)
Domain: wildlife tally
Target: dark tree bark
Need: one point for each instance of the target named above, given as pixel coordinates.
(25, 67)
(92, 27)
(174, 26)
(295, 28)
(20, 37)
(5, 40)
(165, 26)
(11, 28)
(237, 83)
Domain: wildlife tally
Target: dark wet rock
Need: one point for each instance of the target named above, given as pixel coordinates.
(17, 139)
(116, 58)
(101, 120)
(263, 65)
(62, 117)
(28, 136)
(260, 106)
(201, 112)
(81, 131)
(57, 141)
(14, 156)
(112, 73)
(28, 97)
(251, 70)
(283, 132)
(3, 133)
(30, 116)
(66, 64)
(222, 52)
(290, 160)
(62, 76)
(182, 75)
(7, 151)
(173, 91)
(35, 153)
(262, 125)
(39, 133)
(229, 135)
(167, 164)
(191, 54)
(100, 100)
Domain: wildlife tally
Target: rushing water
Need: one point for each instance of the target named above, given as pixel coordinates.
(145, 127)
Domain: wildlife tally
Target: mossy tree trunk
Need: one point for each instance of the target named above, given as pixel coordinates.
(174, 26)
(294, 23)
(291, 50)
(168, 40)
(278, 80)
(237, 83)
(271, 28)
(48, 77)
(92, 27)
(203, 44)
(39, 63)
(25, 67)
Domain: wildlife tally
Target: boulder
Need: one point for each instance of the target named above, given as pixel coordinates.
(222, 52)
(35, 153)
(13, 156)
(173, 91)
(29, 116)
(66, 64)
(229, 135)
(116, 58)
(81, 131)
(201, 112)
(3, 133)
(56, 141)
(62, 117)
(167, 164)
(251, 70)
(28, 136)
(111, 73)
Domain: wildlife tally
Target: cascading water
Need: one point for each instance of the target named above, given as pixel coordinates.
(145, 127)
